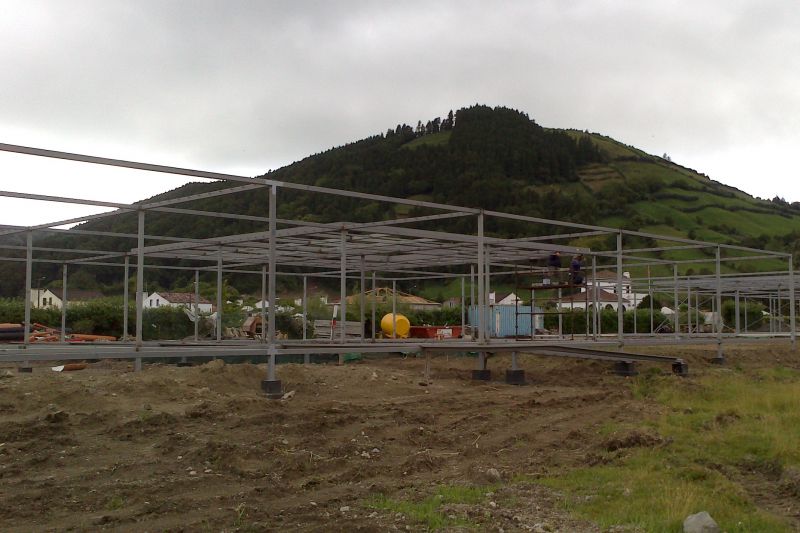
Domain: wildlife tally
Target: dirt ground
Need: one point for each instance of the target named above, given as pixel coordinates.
(201, 449)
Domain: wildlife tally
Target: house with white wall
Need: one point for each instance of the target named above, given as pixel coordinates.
(176, 299)
(51, 299)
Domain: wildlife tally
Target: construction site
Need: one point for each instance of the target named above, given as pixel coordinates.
(296, 446)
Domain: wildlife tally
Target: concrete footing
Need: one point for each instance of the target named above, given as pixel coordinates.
(184, 363)
(24, 369)
(680, 368)
(625, 368)
(515, 377)
(273, 388)
(482, 375)
(718, 360)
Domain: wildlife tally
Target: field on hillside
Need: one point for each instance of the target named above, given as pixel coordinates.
(372, 446)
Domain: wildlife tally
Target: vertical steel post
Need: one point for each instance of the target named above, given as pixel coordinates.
(595, 303)
(271, 281)
(488, 323)
(139, 287)
(792, 311)
(28, 280)
(635, 309)
(620, 311)
(481, 309)
(650, 294)
(306, 356)
(196, 305)
(373, 303)
(560, 316)
(363, 301)
(737, 310)
(343, 289)
(471, 298)
(219, 296)
(63, 335)
(125, 298)
(394, 309)
(264, 304)
(305, 307)
(676, 315)
(463, 302)
(779, 310)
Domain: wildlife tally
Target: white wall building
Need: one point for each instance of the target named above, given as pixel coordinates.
(51, 299)
(176, 299)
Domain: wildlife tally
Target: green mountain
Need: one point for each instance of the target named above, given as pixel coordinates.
(495, 158)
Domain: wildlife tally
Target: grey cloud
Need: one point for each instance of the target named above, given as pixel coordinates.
(256, 84)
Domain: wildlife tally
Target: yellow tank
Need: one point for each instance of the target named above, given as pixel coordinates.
(403, 326)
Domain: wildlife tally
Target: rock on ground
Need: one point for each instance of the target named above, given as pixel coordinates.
(700, 523)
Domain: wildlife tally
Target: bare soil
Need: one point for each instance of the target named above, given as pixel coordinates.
(201, 449)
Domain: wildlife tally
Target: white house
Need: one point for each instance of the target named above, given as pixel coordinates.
(176, 299)
(49, 299)
(605, 300)
(606, 282)
(504, 299)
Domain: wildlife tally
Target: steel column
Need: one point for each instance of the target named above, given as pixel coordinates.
(28, 280)
(362, 300)
(219, 296)
(620, 312)
(343, 290)
(676, 315)
(374, 303)
(792, 311)
(488, 288)
(197, 305)
(139, 286)
(394, 309)
(63, 335)
(271, 296)
(125, 298)
(595, 304)
(481, 309)
(264, 305)
(463, 306)
(305, 307)
(737, 311)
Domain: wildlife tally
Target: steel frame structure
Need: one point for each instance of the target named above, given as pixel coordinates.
(389, 251)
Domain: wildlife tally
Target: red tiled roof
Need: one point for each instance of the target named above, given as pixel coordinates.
(602, 296)
(181, 298)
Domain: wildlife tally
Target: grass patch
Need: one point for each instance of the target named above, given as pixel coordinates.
(712, 428)
(428, 511)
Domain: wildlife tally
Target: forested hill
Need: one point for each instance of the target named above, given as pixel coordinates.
(495, 158)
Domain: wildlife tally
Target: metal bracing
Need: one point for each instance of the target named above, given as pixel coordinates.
(396, 251)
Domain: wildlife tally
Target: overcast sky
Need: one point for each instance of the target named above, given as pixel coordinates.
(247, 86)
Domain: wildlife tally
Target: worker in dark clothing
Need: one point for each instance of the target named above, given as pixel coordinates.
(554, 267)
(576, 270)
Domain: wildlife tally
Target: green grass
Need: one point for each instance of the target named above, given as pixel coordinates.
(712, 428)
(428, 510)
(434, 139)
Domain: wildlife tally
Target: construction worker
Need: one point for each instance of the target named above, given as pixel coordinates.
(576, 269)
(554, 267)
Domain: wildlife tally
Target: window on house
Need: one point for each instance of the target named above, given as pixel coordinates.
(151, 302)
(156, 302)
